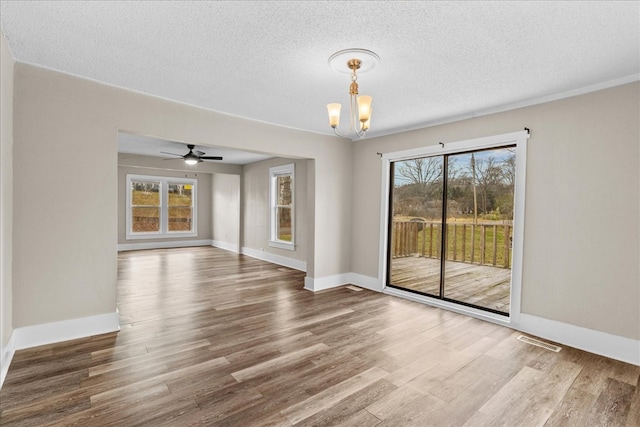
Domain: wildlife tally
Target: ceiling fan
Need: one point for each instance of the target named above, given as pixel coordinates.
(193, 157)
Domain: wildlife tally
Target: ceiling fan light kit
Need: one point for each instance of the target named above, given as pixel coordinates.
(361, 60)
(193, 158)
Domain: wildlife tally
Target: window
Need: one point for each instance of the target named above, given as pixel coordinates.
(282, 206)
(160, 207)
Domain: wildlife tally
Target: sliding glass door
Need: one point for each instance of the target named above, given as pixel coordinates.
(450, 227)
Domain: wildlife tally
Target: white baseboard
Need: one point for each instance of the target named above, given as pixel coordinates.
(367, 282)
(65, 330)
(321, 283)
(224, 245)
(328, 282)
(602, 343)
(5, 358)
(275, 259)
(163, 245)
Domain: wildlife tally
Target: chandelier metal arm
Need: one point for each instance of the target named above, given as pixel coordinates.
(355, 125)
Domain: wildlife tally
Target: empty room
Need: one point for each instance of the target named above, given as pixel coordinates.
(320, 213)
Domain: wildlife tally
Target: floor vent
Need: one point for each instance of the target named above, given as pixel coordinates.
(535, 342)
(354, 288)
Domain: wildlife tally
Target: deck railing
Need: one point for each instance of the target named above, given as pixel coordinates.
(483, 244)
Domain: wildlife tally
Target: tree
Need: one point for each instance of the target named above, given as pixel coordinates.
(419, 185)
(488, 175)
(424, 171)
(509, 170)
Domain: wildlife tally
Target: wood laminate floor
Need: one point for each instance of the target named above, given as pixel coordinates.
(213, 338)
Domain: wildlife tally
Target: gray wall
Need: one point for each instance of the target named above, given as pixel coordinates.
(255, 207)
(581, 243)
(6, 193)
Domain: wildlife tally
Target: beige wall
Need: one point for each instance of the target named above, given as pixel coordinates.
(255, 207)
(6, 192)
(203, 202)
(66, 195)
(582, 226)
(225, 189)
(582, 235)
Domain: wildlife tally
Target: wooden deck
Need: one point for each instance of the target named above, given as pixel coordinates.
(484, 286)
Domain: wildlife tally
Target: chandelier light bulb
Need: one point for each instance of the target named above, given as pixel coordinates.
(364, 108)
(334, 114)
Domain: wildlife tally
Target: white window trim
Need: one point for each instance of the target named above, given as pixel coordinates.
(164, 232)
(519, 139)
(274, 172)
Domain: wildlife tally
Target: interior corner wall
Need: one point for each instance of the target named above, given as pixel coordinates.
(6, 196)
(225, 218)
(203, 203)
(256, 209)
(582, 213)
(65, 210)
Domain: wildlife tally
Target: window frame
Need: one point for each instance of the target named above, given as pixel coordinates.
(163, 232)
(274, 173)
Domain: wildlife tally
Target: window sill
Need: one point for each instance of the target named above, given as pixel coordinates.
(282, 245)
(159, 236)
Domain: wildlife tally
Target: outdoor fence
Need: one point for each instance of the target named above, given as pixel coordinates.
(483, 244)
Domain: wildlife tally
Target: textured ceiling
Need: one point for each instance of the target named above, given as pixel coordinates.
(267, 61)
(138, 144)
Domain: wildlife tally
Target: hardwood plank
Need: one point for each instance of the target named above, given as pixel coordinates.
(118, 392)
(573, 410)
(332, 395)
(543, 389)
(387, 405)
(417, 412)
(280, 362)
(612, 405)
(194, 317)
(463, 408)
(633, 417)
(349, 409)
(264, 412)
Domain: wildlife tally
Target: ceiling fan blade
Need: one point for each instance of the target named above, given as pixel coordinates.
(171, 154)
(199, 153)
(175, 158)
(211, 157)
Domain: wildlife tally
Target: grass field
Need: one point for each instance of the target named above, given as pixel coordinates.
(146, 213)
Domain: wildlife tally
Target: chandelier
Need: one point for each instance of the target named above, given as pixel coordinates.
(359, 105)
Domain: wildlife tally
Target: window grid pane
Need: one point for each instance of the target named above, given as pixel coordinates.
(284, 224)
(180, 207)
(145, 206)
(284, 190)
